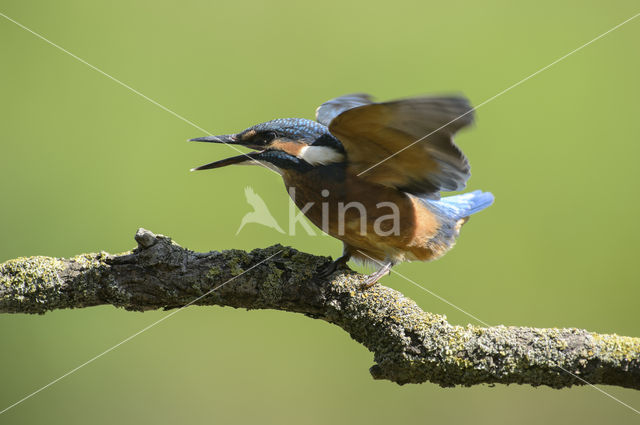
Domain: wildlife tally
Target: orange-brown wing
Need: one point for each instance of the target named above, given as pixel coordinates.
(406, 144)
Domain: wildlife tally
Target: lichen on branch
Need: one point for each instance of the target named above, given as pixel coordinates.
(409, 345)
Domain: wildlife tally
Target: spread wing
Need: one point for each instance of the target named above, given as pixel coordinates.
(334, 107)
(406, 144)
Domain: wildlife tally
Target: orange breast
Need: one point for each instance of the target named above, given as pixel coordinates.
(380, 221)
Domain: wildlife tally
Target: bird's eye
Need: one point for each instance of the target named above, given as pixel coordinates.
(269, 136)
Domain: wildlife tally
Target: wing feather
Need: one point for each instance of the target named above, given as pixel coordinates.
(407, 144)
(334, 107)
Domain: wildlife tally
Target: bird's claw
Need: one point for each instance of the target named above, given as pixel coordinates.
(373, 278)
(329, 268)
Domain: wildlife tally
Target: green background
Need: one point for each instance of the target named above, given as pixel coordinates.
(84, 162)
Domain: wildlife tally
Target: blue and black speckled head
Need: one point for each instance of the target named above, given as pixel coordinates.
(286, 143)
(298, 129)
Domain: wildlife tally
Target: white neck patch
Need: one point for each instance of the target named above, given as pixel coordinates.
(322, 155)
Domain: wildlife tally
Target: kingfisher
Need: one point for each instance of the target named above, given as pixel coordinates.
(370, 174)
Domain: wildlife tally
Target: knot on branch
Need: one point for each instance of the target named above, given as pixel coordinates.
(145, 238)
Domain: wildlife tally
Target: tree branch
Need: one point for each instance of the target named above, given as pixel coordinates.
(409, 345)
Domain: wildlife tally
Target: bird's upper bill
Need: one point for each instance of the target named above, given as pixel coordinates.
(229, 140)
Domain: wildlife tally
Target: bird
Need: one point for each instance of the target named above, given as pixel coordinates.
(260, 213)
(371, 174)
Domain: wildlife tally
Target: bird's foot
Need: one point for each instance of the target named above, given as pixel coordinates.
(373, 278)
(328, 269)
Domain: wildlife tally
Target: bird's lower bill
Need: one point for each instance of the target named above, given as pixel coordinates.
(244, 158)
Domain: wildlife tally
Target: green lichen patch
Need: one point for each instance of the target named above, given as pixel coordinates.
(214, 273)
(615, 348)
(29, 274)
(271, 286)
(90, 261)
(235, 267)
(30, 284)
(236, 260)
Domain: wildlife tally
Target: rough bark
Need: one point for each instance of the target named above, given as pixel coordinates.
(409, 345)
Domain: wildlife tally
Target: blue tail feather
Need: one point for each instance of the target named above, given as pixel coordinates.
(460, 206)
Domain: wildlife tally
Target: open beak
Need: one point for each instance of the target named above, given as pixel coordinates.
(228, 139)
(240, 159)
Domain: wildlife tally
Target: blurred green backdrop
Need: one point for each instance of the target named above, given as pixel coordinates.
(84, 162)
